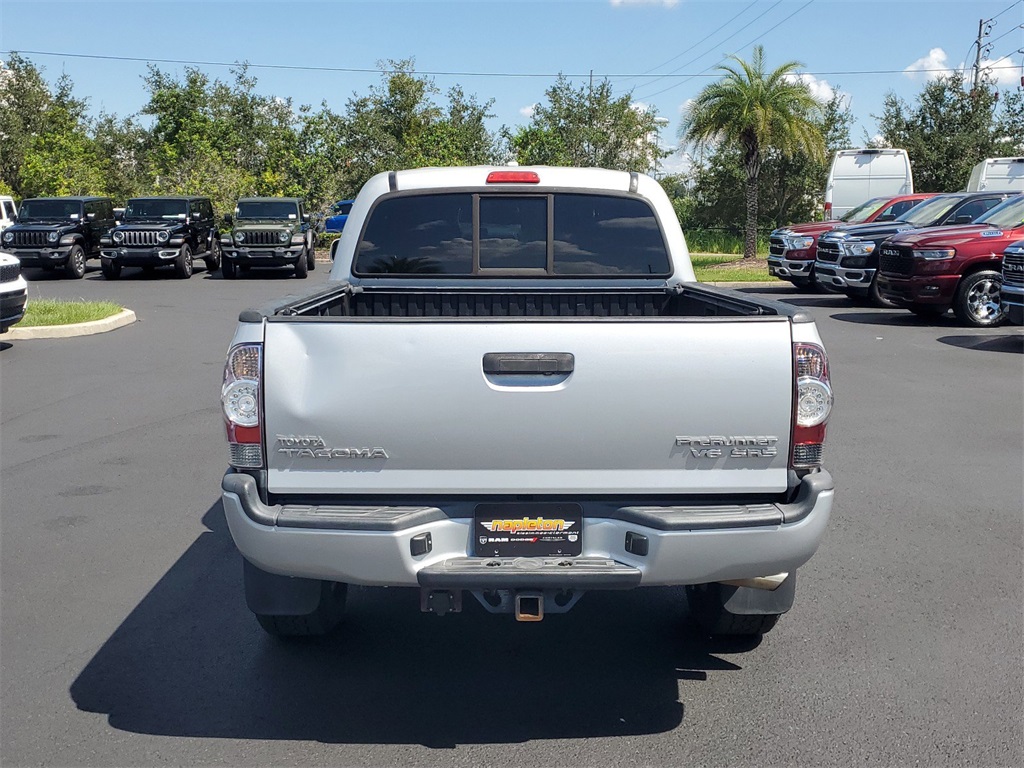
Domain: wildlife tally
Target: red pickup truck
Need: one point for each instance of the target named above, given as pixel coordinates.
(929, 271)
(793, 249)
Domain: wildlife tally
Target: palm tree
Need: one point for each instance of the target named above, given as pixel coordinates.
(759, 112)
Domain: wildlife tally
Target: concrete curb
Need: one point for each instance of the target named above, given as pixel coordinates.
(124, 317)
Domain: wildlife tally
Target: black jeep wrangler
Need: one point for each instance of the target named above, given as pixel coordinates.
(56, 232)
(162, 231)
(269, 232)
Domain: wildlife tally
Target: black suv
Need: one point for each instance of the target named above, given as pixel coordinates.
(163, 231)
(56, 232)
(269, 232)
(847, 258)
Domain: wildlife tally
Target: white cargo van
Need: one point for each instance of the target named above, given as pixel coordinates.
(860, 174)
(997, 173)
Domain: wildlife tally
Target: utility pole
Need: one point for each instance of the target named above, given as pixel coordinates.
(977, 55)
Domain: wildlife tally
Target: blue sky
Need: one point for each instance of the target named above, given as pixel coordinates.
(510, 51)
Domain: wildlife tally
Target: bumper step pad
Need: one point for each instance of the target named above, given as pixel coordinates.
(529, 573)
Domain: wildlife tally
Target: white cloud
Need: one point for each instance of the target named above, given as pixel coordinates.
(1003, 71)
(931, 66)
(820, 89)
(666, 3)
(528, 110)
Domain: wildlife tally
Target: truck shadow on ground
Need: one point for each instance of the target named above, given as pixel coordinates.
(1011, 343)
(191, 661)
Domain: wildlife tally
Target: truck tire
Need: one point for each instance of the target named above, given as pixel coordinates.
(707, 608)
(228, 269)
(977, 300)
(212, 258)
(311, 258)
(75, 266)
(183, 262)
(301, 267)
(111, 269)
(319, 622)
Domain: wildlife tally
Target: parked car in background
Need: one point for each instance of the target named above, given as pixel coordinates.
(997, 173)
(64, 232)
(268, 232)
(339, 215)
(1012, 291)
(933, 270)
(8, 212)
(859, 174)
(793, 249)
(163, 231)
(13, 291)
(847, 257)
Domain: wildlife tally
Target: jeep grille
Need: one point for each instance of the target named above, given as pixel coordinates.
(262, 237)
(139, 237)
(896, 260)
(29, 237)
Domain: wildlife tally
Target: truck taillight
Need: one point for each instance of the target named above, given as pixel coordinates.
(240, 400)
(828, 211)
(513, 177)
(812, 405)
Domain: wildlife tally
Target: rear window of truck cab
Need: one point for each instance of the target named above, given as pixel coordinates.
(557, 234)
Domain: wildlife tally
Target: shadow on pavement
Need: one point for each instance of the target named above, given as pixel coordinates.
(191, 661)
(1011, 343)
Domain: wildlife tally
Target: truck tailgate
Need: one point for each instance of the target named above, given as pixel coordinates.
(671, 406)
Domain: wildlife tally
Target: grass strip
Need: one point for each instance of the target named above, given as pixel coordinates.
(45, 312)
(727, 268)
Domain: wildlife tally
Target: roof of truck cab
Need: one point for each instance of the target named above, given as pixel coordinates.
(270, 199)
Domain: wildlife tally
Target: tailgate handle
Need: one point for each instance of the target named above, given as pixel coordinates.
(526, 363)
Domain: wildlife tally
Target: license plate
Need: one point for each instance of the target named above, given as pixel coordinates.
(528, 530)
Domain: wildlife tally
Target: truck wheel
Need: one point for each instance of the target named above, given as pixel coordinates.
(301, 267)
(111, 269)
(311, 258)
(977, 300)
(228, 270)
(76, 263)
(707, 607)
(876, 298)
(212, 258)
(320, 622)
(183, 262)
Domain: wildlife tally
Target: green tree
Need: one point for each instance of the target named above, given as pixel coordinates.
(950, 128)
(400, 125)
(587, 126)
(25, 99)
(757, 112)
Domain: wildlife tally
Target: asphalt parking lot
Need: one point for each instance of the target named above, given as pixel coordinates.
(124, 638)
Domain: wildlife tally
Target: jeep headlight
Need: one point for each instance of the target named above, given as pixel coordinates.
(118, 237)
(162, 236)
(8, 237)
(799, 243)
(239, 237)
(283, 236)
(935, 255)
(51, 237)
(856, 248)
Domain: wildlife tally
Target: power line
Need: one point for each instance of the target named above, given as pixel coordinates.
(1010, 8)
(439, 73)
(702, 72)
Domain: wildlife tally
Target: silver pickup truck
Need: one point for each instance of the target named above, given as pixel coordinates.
(514, 388)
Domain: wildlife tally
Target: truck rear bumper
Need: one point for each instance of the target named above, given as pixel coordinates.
(433, 545)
